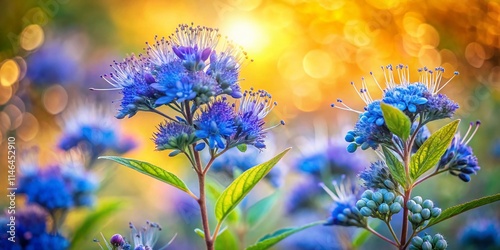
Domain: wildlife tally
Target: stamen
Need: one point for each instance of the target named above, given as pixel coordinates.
(478, 123)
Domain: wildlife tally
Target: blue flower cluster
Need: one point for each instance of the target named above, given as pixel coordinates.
(379, 176)
(416, 100)
(88, 125)
(459, 158)
(185, 67)
(60, 186)
(31, 231)
(481, 233)
(344, 211)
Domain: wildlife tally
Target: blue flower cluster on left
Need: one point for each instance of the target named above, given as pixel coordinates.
(193, 73)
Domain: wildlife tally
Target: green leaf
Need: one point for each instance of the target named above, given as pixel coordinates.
(257, 211)
(242, 185)
(397, 122)
(395, 167)
(89, 225)
(200, 233)
(242, 148)
(214, 190)
(226, 240)
(429, 154)
(273, 238)
(458, 209)
(151, 170)
(360, 238)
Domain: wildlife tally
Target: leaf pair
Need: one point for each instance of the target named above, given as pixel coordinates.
(426, 157)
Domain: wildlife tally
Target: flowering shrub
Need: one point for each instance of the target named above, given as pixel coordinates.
(395, 126)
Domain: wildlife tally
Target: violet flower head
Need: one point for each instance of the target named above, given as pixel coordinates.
(216, 123)
(91, 127)
(459, 158)
(419, 99)
(174, 135)
(249, 121)
(344, 210)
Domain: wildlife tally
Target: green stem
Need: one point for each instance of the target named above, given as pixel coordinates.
(161, 113)
(392, 232)
(429, 176)
(404, 229)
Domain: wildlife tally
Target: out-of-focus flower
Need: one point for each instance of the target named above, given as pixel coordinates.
(60, 186)
(459, 158)
(480, 233)
(90, 126)
(344, 210)
(30, 231)
(53, 63)
(304, 195)
(419, 99)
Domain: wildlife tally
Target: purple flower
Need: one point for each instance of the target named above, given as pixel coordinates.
(174, 135)
(216, 123)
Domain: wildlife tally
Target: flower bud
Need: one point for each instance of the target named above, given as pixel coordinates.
(389, 197)
(365, 211)
(441, 244)
(341, 217)
(410, 204)
(360, 204)
(347, 211)
(416, 218)
(371, 205)
(416, 208)
(367, 194)
(428, 204)
(117, 240)
(383, 208)
(417, 199)
(378, 197)
(389, 184)
(417, 241)
(426, 213)
(435, 212)
(426, 246)
(399, 199)
(395, 208)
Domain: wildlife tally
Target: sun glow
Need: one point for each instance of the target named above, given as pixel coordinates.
(248, 34)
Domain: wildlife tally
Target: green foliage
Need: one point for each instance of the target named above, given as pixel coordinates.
(260, 209)
(397, 122)
(151, 170)
(242, 148)
(226, 240)
(272, 239)
(92, 220)
(395, 167)
(242, 185)
(429, 154)
(200, 233)
(458, 209)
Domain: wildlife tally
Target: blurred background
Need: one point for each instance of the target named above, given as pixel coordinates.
(305, 53)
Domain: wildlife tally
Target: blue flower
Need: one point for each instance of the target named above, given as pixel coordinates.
(406, 98)
(174, 135)
(418, 99)
(216, 123)
(379, 176)
(53, 63)
(48, 241)
(146, 237)
(481, 233)
(370, 130)
(225, 68)
(61, 186)
(422, 135)
(344, 210)
(133, 78)
(459, 158)
(303, 196)
(251, 112)
(91, 127)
